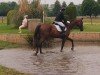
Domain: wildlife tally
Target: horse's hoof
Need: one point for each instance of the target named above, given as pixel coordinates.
(35, 54)
(72, 49)
(41, 53)
(61, 51)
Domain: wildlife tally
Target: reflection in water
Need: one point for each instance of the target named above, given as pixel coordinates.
(55, 63)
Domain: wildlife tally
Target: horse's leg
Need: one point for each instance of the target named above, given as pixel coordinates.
(41, 47)
(37, 48)
(71, 42)
(63, 42)
(36, 51)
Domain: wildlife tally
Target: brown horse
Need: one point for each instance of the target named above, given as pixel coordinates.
(44, 31)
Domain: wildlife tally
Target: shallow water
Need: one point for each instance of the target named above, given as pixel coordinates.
(85, 60)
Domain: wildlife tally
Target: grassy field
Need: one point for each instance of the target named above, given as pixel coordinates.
(5, 44)
(7, 71)
(4, 28)
(95, 27)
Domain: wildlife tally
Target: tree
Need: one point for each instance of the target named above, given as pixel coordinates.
(79, 12)
(71, 11)
(88, 8)
(98, 1)
(46, 9)
(57, 7)
(24, 9)
(96, 9)
(12, 5)
(37, 9)
(6, 7)
(64, 4)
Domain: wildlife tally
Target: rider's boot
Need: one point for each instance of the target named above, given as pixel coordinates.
(63, 33)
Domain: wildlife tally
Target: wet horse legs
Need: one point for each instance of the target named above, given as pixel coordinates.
(72, 43)
(63, 42)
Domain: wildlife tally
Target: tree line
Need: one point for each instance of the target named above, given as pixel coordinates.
(87, 8)
(15, 12)
(6, 7)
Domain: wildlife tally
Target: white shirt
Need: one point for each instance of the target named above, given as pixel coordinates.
(24, 22)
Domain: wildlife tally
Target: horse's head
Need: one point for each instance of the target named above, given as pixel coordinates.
(79, 23)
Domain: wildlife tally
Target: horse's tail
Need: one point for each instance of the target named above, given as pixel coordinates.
(36, 36)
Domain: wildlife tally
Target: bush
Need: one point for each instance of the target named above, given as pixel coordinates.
(46, 44)
(29, 39)
(17, 20)
(10, 16)
(48, 20)
(18, 17)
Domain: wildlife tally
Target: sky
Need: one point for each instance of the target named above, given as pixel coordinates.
(51, 1)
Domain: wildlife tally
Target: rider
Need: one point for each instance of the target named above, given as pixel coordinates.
(60, 20)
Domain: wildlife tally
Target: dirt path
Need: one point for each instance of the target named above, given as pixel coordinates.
(85, 60)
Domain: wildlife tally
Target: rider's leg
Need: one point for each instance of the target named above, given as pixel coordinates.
(20, 27)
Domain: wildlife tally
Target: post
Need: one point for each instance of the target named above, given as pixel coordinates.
(2, 19)
(43, 17)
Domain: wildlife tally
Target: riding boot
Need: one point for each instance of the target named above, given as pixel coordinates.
(63, 32)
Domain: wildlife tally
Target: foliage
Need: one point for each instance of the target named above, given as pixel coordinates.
(5, 44)
(98, 1)
(79, 11)
(48, 20)
(23, 10)
(10, 16)
(46, 44)
(57, 7)
(36, 9)
(88, 7)
(96, 9)
(64, 4)
(6, 7)
(71, 11)
(5, 29)
(7, 71)
(46, 10)
(29, 39)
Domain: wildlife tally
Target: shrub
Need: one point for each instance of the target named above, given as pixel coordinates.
(29, 39)
(18, 17)
(46, 44)
(10, 16)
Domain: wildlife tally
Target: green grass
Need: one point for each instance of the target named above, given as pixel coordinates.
(89, 28)
(7, 71)
(92, 28)
(5, 44)
(4, 28)
(8, 29)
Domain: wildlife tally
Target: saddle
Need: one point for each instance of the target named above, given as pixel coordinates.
(61, 29)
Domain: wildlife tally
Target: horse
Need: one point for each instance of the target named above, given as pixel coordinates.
(45, 31)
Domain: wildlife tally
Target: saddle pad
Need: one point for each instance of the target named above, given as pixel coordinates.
(59, 29)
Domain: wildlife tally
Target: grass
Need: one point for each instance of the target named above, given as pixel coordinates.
(89, 28)
(4, 28)
(5, 44)
(94, 20)
(7, 71)
(95, 27)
